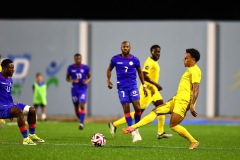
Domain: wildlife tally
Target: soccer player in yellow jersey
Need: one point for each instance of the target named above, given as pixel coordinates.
(184, 100)
(2, 121)
(151, 72)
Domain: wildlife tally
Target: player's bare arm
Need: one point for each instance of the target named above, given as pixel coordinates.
(195, 91)
(109, 74)
(68, 79)
(89, 77)
(147, 79)
(141, 77)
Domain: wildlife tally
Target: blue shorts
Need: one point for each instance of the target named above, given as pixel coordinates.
(79, 96)
(5, 110)
(128, 94)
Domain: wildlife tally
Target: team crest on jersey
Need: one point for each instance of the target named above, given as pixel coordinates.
(130, 63)
(81, 70)
(146, 67)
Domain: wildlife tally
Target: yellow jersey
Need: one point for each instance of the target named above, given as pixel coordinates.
(0, 68)
(152, 68)
(192, 75)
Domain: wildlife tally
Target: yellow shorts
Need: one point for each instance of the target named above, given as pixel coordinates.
(176, 105)
(153, 96)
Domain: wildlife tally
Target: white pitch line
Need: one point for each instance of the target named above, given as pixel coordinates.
(15, 123)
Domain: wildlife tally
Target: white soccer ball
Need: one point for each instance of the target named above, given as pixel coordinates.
(98, 140)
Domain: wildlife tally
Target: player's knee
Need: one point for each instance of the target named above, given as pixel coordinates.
(32, 111)
(173, 127)
(29, 110)
(154, 110)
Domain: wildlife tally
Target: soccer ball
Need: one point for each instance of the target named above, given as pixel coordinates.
(98, 140)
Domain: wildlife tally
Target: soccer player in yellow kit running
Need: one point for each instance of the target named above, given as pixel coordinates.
(151, 72)
(184, 100)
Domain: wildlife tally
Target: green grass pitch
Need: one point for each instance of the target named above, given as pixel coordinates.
(64, 141)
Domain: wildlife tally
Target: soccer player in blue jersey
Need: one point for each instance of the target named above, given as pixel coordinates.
(2, 121)
(79, 75)
(127, 65)
(151, 73)
(10, 110)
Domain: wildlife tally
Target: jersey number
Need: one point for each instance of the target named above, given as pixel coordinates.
(8, 88)
(123, 93)
(75, 99)
(126, 68)
(79, 76)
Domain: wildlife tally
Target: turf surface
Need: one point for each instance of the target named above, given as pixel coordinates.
(65, 141)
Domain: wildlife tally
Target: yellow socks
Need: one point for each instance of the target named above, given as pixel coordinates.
(161, 121)
(184, 133)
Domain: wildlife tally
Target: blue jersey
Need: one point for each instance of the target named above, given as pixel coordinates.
(80, 73)
(125, 70)
(5, 90)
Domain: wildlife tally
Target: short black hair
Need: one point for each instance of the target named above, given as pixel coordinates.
(77, 54)
(154, 46)
(194, 53)
(5, 62)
